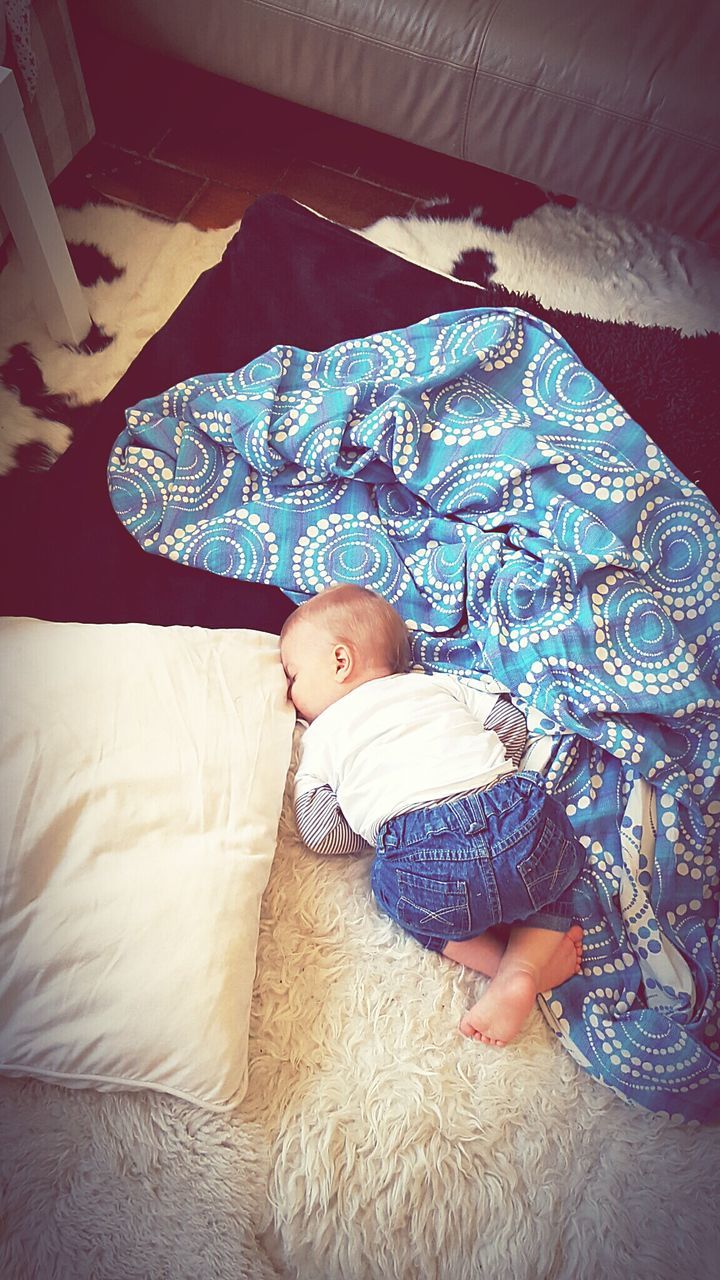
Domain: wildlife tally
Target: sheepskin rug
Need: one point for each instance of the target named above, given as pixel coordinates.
(374, 1143)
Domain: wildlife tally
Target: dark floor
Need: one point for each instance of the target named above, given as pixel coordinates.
(193, 147)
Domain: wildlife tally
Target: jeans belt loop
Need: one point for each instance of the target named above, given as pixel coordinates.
(471, 804)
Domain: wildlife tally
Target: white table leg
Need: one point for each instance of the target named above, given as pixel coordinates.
(34, 225)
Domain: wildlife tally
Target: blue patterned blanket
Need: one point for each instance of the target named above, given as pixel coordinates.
(473, 472)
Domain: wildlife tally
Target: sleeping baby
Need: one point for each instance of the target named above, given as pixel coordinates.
(473, 858)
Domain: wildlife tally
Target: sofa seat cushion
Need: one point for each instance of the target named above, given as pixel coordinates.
(616, 104)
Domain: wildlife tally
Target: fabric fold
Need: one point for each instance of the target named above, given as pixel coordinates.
(473, 472)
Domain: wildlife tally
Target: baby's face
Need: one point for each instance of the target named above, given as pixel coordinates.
(306, 655)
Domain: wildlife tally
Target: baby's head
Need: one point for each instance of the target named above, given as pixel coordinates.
(341, 638)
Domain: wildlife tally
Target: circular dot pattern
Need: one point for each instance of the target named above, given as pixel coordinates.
(474, 473)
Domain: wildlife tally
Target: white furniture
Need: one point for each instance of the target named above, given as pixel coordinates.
(34, 225)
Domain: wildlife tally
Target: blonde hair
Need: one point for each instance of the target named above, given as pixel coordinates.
(362, 620)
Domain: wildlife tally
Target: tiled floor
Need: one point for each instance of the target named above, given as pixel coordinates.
(190, 146)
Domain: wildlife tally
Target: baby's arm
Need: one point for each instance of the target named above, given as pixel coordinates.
(495, 712)
(510, 725)
(322, 825)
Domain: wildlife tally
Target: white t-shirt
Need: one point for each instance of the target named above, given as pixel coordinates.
(398, 743)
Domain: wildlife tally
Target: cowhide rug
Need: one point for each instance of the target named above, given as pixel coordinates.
(136, 269)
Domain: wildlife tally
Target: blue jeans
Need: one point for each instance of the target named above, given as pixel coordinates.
(456, 868)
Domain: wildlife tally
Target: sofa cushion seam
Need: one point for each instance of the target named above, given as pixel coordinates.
(597, 107)
(362, 37)
(476, 68)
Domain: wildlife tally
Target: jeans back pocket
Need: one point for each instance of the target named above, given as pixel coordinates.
(553, 865)
(431, 904)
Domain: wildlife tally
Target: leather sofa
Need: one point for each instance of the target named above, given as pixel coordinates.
(617, 104)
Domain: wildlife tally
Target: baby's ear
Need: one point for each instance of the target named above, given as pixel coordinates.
(343, 660)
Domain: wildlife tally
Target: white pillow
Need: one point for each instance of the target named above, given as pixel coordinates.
(141, 780)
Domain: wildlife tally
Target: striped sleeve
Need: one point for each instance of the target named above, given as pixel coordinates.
(322, 825)
(510, 725)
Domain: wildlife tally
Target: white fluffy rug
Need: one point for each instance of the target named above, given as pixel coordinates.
(375, 1142)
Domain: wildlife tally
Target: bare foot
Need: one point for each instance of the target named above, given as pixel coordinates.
(500, 1012)
(502, 1008)
(485, 951)
(565, 961)
(575, 933)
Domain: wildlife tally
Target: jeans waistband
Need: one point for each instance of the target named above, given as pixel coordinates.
(468, 810)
